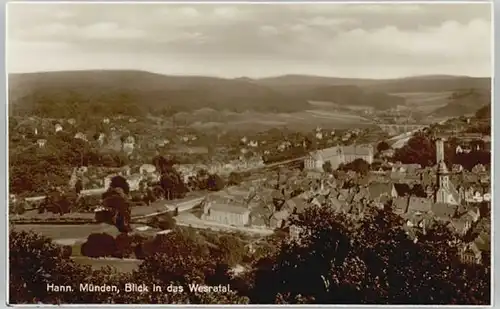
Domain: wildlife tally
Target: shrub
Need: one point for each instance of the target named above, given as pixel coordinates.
(99, 245)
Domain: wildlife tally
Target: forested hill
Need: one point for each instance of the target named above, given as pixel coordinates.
(66, 93)
(60, 94)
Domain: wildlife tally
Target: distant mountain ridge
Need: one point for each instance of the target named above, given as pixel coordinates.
(58, 94)
(464, 102)
(424, 83)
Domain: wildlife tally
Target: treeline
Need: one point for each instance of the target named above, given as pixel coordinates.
(135, 93)
(34, 170)
(421, 149)
(337, 261)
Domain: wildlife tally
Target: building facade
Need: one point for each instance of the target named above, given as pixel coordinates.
(338, 155)
(226, 214)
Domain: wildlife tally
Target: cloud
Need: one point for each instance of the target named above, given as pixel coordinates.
(332, 39)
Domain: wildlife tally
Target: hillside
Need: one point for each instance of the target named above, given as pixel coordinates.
(427, 83)
(70, 93)
(463, 103)
(351, 96)
(60, 94)
(63, 94)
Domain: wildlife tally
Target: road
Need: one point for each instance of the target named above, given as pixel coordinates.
(169, 206)
(195, 222)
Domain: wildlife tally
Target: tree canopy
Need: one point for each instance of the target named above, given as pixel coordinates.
(338, 260)
(382, 146)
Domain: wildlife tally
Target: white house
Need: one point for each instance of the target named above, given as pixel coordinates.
(81, 136)
(41, 142)
(58, 128)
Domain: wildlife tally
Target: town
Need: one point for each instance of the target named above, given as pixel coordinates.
(188, 154)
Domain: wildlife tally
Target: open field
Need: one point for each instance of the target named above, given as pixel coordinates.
(67, 232)
(122, 265)
(425, 102)
(325, 115)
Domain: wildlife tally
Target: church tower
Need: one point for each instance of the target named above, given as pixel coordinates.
(443, 178)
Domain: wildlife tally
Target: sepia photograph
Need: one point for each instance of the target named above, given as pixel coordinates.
(249, 153)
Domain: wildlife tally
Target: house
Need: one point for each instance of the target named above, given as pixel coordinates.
(487, 142)
(295, 205)
(338, 155)
(259, 221)
(147, 169)
(105, 120)
(294, 232)
(72, 121)
(419, 205)
(388, 153)
(41, 142)
(377, 190)
(400, 205)
(470, 254)
(460, 226)
(226, 214)
(443, 211)
(81, 136)
(58, 128)
(400, 190)
(278, 219)
(101, 138)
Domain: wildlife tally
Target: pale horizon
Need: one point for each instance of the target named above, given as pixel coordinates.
(249, 77)
(369, 41)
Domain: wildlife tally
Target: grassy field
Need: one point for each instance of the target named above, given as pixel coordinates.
(67, 232)
(122, 265)
(425, 102)
(324, 115)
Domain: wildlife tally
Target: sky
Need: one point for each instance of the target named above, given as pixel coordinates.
(252, 40)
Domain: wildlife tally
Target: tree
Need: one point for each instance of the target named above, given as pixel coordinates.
(382, 146)
(120, 182)
(99, 245)
(359, 166)
(35, 262)
(421, 149)
(484, 112)
(172, 184)
(234, 179)
(118, 205)
(215, 183)
(164, 222)
(78, 186)
(327, 167)
(369, 261)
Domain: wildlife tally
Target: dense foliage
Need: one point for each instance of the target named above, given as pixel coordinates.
(338, 260)
(421, 149)
(359, 166)
(35, 170)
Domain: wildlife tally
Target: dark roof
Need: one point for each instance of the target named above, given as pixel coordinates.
(276, 194)
(483, 242)
(297, 203)
(377, 189)
(402, 189)
(228, 208)
(444, 211)
(401, 204)
(418, 190)
(419, 204)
